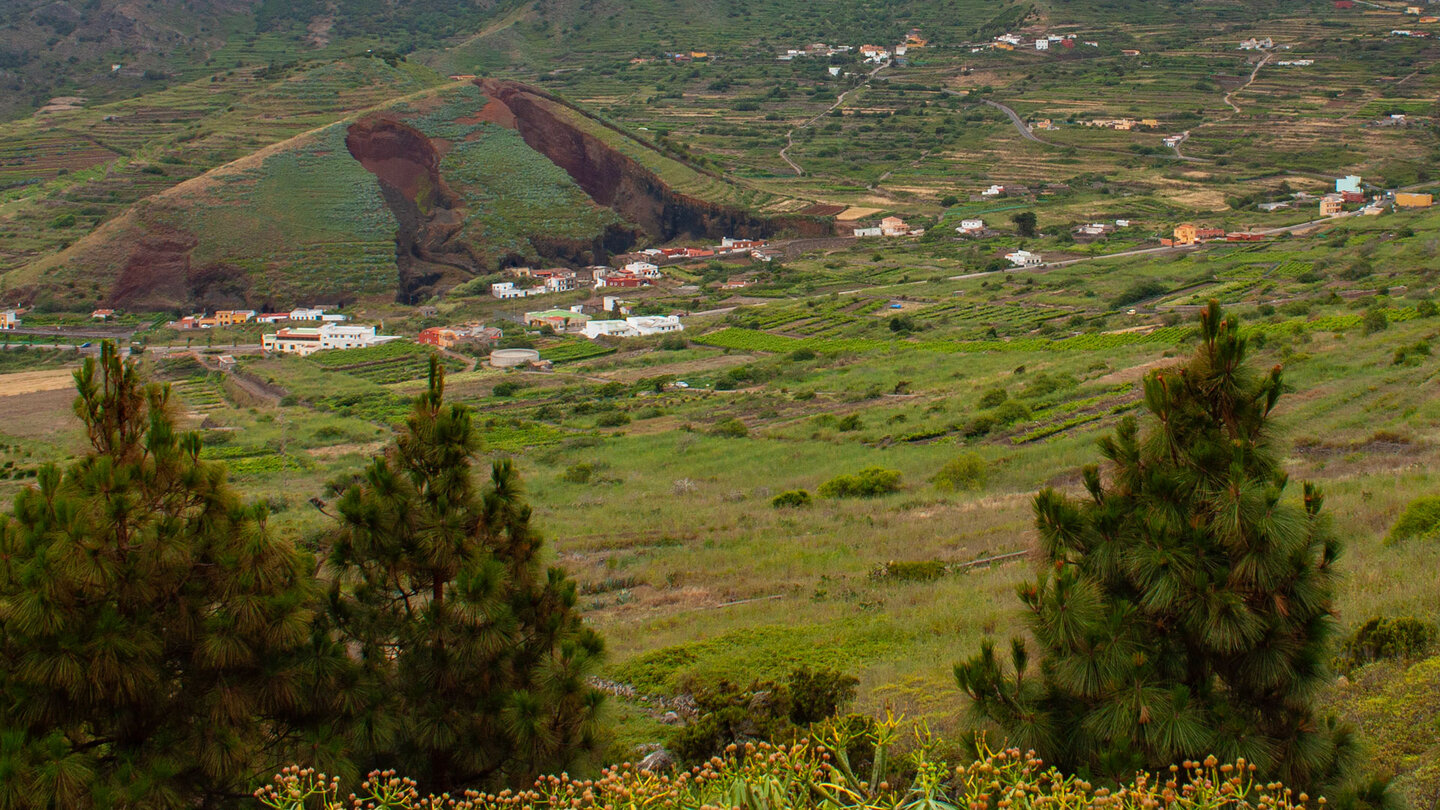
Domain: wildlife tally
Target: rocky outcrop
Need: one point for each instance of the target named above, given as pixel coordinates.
(429, 253)
(623, 184)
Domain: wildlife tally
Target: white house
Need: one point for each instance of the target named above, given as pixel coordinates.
(1042, 44)
(639, 326)
(306, 314)
(612, 303)
(656, 324)
(306, 340)
(993, 191)
(834, 70)
(596, 329)
(333, 317)
(1024, 258)
(971, 225)
(9, 319)
(1122, 223)
(642, 269)
(867, 232)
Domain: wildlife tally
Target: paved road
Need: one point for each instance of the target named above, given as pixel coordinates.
(1030, 136)
(1015, 119)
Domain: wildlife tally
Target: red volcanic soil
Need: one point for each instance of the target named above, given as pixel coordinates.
(615, 180)
(158, 267)
(400, 156)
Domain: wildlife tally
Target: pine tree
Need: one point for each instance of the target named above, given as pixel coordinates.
(1187, 606)
(475, 654)
(151, 629)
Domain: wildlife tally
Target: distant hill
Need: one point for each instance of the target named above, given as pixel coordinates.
(401, 201)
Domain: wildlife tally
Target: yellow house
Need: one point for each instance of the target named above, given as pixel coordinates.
(699, 55)
(1150, 122)
(1405, 199)
(1186, 234)
(1004, 46)
(230, 317)
(1330, 205)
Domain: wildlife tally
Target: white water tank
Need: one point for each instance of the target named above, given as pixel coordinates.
(511, 358)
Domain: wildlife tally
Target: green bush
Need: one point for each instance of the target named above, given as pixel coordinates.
(612, 419)
(870, 482)
(917, 571)
(1383, 637)
(819, 694)
(505, 389)
(791, 499)
(993, 398)
(582, 473)
(65, 220)
(965, 472)
(850, 423)
(731, 428)
(1421, 519)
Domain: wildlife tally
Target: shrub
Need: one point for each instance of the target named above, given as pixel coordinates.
(1374, 321)
(582, 473)
(806, 775)
(1138, 291)
(65, 220)
(612, 419)
(850, 423)
(731, 428)
(993, 398)
(802, 354)
(673, 343)
(965, 472)
(505, 389)
(870, 482)
(819, 694)
(1420, 519)
(1426, 309)
(791, 499)
(918, 571)
(1383, 637)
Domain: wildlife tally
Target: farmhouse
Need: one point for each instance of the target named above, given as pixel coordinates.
(557, 319)
(894, 226)
(306, 340)
(1024, 258)
(970, 227)
(558, 279)
(102, 314)
(1186, 234)
(1404, 199)
(9, 319)
(861, 232)
(438, 336)
(1330, 205)
(231, 317)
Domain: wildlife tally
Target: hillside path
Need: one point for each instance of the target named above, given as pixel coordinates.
(790, 135)
(1248, 82)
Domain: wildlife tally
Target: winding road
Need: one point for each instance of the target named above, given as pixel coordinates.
(1248, 82)
(1030, 136)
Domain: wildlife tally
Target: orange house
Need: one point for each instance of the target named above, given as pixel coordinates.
(1186, 234)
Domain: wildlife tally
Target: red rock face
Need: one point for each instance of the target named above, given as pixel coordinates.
(615, 180)
(399, 155)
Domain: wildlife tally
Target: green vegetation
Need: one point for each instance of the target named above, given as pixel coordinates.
(1145, 656)
(835, 774)
(1420, 520)
(476, 659)
(191, 620)
(870, 482)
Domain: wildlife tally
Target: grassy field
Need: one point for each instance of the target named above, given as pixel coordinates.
(652, 464)
(661, 507)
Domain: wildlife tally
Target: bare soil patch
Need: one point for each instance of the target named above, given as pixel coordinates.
(40, 413)
(30, 382)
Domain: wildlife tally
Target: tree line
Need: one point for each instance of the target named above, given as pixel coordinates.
(163, 648)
